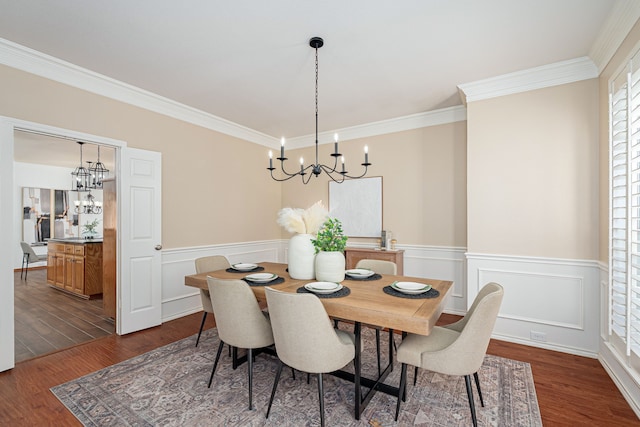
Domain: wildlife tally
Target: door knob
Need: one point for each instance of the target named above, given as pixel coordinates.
(158, 247)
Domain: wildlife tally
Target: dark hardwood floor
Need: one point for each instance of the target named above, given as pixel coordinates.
(48, 320)
(571, 390)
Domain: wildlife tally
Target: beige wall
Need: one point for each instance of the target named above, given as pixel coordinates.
(424, 182)
(533, 173)
(214, 186)
(629, 45)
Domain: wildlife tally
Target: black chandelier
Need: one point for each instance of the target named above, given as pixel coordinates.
(89, 206)
(317, 168)
(91, 177)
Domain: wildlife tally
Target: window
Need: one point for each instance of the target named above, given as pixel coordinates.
(624, 207)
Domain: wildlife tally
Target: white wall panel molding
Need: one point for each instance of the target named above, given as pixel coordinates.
(549, 303)
(179, 300)
(559, 73)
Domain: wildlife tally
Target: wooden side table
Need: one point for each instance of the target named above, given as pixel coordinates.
(353, 255)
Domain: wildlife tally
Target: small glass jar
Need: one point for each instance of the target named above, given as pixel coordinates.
(393, 244)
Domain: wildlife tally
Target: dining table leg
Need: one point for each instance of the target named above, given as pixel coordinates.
(357, 365)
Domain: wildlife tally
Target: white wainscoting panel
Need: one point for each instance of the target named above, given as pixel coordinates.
(548, 303)
(179, 300)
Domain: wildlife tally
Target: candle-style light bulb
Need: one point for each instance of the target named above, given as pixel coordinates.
(301, 164)
(270, 159)
(282, 148)
(335, 140)
(366, 154)
(343, 164)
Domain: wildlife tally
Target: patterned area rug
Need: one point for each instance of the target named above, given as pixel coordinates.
(168, 387)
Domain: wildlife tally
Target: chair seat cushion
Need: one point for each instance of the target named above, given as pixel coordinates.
(414, 347)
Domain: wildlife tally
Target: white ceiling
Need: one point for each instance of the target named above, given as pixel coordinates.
(249, 61)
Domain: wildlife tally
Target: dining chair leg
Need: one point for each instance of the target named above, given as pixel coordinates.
(415, 376)
(378, 351)
(475, 376)
(467, 381)
(321, 399)
(275, 385)
(204, 317)
(25, 258)
(401, 388)
(308, 378)
(250, 369)
(215, 364)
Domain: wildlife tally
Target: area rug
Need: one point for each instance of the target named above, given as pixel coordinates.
(168, 387)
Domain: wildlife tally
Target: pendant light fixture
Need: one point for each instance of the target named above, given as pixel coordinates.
(80, 177)
(98, 172)
(317, 168)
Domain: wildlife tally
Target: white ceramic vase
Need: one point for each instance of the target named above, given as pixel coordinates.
(330, 266)
(301, 257)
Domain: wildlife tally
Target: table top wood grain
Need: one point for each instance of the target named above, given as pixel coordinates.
(367, 302)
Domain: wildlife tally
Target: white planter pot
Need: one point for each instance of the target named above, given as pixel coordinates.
(301, 257)
(330, 266)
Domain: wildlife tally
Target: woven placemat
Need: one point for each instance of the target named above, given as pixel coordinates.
(341, 293)
(431, 293)
(272, 282)
(374, 276)
(233, 270)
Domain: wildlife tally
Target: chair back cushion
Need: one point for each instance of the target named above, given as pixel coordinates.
(239, 320)
(453, 352)
(204, 265)
(304, 335)
(379, 266)
(27, 249)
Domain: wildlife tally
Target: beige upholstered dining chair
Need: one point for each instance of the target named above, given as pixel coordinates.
(239, 320)
(305, 338)
(29, 255)
(456, 349)
(380, 267)
(204, 265)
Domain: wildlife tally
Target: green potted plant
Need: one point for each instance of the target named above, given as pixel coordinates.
(329, 245)
(89, 229)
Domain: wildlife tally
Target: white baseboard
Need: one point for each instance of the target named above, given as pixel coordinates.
(627, 382)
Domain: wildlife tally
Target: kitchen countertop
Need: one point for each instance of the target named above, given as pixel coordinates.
(77, 240)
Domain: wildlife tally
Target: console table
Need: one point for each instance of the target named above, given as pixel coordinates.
(353, 255)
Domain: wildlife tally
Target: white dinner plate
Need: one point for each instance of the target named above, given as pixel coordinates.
(411, 287)
(323, 287)
(360, 272)
(244, 266)
(261, 277)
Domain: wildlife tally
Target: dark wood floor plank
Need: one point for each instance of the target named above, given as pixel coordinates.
(47, 319)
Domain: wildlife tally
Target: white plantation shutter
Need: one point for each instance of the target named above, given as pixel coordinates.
(624, 207)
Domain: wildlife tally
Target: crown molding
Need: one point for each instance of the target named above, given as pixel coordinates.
(623, 17)
(399, 124)
(564, 72)
(40, 64)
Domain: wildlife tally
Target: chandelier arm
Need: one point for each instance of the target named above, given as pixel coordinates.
(359, 176)
(330, 174)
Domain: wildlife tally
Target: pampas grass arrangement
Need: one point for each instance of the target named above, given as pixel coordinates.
(303, 221)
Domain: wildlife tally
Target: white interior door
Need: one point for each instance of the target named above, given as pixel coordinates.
(140, 278)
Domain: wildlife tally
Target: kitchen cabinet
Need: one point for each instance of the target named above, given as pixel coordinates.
(75, 266)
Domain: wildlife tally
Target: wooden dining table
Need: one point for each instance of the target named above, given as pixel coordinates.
(367, 304)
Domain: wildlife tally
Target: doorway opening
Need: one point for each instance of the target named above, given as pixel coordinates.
(59, 302)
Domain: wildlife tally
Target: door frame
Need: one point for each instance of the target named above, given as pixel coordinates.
(8, 126)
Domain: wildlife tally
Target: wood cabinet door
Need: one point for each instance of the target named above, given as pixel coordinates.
(68, 272)
(59, 270)
(77, 274)
(51, 268)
